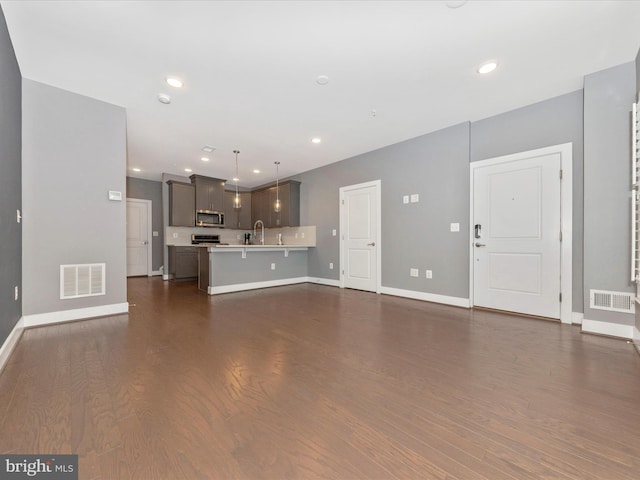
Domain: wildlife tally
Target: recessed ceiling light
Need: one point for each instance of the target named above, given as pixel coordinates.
(488, 67)
(174, 82)
(164, 98)
(316, 140)
(204, 159)
(322, 80)
(236, 179)
(256, 171)
(208, 148)
(188, 170)
(136, 169)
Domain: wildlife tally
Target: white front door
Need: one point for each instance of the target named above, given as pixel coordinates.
(516, 235)
(360, 208)
(138, 245)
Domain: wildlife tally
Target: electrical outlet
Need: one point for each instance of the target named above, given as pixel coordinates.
(273, 266)
(330, 265)
(296, 235)
(429, 274)
(16, 292)
(454, 227)
(175, 235)
(302, 234)
(333, 232)
(415, 198)
(413, 272)
(155, 234)
(405, 199)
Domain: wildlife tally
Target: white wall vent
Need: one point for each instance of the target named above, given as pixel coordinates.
(82, 280)
(612, 301)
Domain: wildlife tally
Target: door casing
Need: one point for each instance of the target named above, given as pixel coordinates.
(377, 184)
(148, 205)
(566, 215)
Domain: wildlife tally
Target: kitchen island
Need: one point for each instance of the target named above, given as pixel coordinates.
(233, 268)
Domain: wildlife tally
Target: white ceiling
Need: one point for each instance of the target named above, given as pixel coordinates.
(250, 70)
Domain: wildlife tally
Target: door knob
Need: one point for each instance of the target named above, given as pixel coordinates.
(372, 244)
(480, 244)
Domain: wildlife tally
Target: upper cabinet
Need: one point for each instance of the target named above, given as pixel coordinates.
(263, 202)
(237, 218)
(182, 212)
(209, 193)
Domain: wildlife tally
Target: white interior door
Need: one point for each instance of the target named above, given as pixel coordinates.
(517, 241)
(359, 214)
(138, 236)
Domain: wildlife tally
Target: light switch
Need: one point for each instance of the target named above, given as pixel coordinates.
(155, 234)
(455, 227)
(413, 272)
(415, 197)
(115, 195)
(405, 199)
(333, 232)
(273, 266)
(330, 265)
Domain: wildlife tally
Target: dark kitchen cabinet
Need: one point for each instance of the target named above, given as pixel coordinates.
(183, 262)
(263, 202)
(240, 218)
(209, 193)
(181, 204)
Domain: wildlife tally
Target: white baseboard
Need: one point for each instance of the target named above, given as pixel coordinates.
(577, 318)
(324, 281)
(76, 314)
(427, 297)
(10, 343)
(607, 328)
(239, 287)
(156, 273)
(167, 276)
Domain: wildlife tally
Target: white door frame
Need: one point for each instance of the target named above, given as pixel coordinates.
(566, 215)
(343, 218)
(149, 204)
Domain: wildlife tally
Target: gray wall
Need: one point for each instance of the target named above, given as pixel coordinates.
(435, 166)
(608, 96)
(10, 183)
(150, 190)
(74, 152)
(551, 122)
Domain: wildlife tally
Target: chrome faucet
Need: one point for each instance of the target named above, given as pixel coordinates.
(255, 226)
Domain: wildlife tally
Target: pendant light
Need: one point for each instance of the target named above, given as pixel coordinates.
(237, 204)
(276, 207)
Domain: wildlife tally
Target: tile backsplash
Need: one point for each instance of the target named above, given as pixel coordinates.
(181, 236)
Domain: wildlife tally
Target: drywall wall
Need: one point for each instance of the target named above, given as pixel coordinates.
(415, 235)
(551, 122)
(10, 184)
(150, 190)
(608, 96)
(74, 153)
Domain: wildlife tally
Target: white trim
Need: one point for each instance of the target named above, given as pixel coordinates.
(240, 287)
(427, 297)
(149, 205)
(156, 273)
(10, 343)
(566, 211)
(378, 185)
(607, 328)
(577, 318)
(75, 314)
(636, 334)
(324, 281)
(167, 276)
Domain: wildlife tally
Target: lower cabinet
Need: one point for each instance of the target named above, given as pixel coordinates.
(183, 262)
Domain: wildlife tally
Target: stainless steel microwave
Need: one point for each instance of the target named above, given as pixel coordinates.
(207, 218)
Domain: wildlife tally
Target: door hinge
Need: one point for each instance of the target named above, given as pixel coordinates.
(342, 202)
(560, 235)
(560, 174)
(560, 297)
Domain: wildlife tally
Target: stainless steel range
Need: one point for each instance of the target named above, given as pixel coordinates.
(205, 239)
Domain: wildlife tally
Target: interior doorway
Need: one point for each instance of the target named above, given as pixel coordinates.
(138, 237)
(360, 218)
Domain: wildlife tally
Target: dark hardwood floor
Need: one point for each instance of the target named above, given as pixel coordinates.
(314, 382)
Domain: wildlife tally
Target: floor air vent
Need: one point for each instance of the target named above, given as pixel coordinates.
(82, 280)
(612, 301)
